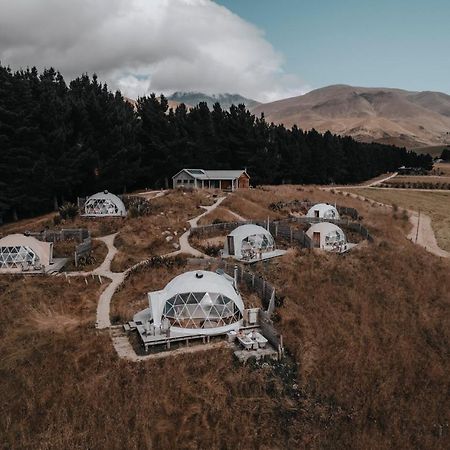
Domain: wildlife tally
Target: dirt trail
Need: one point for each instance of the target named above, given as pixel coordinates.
(104, 270)
(360, 186)
(422, 232)
(238, 217)
(185, 247)
(150, 195)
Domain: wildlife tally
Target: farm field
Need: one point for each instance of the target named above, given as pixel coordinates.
(419, 179)
(434, 151)
(434, 204)
(359, 382)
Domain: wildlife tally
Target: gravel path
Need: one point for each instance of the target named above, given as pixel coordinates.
(422, 232)
(104, 270)
(185, 247)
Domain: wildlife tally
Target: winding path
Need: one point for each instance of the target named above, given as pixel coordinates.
(422, 232)
(185, 247)
(117, 278)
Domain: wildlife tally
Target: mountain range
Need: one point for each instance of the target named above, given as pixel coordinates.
(391, 116)
(225, 100)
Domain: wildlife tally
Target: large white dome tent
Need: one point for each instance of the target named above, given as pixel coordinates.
(328, 236)
(21, 253)
(104, 204)
(323, 211)
(193, 303)
(250, 242)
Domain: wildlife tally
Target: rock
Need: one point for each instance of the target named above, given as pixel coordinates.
(169, 238)
(176, 245)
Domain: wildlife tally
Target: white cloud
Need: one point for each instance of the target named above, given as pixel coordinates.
(142, 46)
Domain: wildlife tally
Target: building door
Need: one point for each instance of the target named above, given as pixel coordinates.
(226, 185)
(316, 239)
(316, 213)
(230, 240)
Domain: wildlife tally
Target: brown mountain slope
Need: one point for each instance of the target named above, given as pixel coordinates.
(392, 116)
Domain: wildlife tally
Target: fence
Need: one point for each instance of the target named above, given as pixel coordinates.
(82, 250)
(66, 234)
(270, 332)
(263, 288)
(354, 226)
(306, 205)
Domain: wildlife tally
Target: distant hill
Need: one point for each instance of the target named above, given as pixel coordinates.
(172, 104)
(225, 100)
(390, 116)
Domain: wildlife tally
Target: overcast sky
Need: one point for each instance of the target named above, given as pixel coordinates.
(140, 46)
(262, 49)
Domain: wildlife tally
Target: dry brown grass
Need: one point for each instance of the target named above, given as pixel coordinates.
(66, 249)
(64, 387)
(218, 215)
(434, 204)
(443, 168)
(143, 237)
(370, 332)
(419, 179)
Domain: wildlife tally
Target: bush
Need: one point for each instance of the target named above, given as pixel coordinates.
(213, 250)
(133, 212)
(68, 211)
(56, 220)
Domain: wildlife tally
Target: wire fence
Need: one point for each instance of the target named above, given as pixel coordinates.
(283, 228)
(66, 234)
(264, 289)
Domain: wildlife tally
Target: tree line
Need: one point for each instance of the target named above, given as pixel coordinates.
(59, 141)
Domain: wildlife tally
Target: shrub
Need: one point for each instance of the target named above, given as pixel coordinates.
(68, 211)
(213, 249)
(133, 212)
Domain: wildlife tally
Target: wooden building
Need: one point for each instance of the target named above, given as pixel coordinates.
(227, 180)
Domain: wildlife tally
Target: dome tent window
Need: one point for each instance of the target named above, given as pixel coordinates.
(194, 303)
(104, 204)
(201, 310)
(22, 253)
(17, 257)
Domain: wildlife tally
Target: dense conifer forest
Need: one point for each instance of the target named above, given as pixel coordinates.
(60, 141)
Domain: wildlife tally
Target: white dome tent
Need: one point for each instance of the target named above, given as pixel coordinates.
(323, 211)
(193, 303)
(328, 236)
(250, 243)
(104, 204)
(20, 253)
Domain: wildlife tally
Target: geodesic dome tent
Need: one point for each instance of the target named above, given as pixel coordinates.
(323, 211)
(104, 204)
(247, 241)
(327, 236)
(20, 253)
(196, 302)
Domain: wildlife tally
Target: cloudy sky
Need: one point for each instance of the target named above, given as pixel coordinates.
(140, 46)
(262, 49)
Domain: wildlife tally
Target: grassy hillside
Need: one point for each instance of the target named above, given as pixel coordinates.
(368, 334)
(434, 204)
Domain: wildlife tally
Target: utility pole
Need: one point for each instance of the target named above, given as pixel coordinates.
(418, 223)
